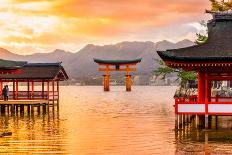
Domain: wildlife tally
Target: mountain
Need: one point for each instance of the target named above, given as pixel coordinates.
(80, 64)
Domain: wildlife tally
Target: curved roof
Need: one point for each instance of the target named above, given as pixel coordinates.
(11, 65)
(117, 62)
(217, 48)
(37, 71)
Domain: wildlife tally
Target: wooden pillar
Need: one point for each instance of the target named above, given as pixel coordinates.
(48, 90)
(106, 80)
(206, 101)
(58, 89)
(28, 90)
(32, 89)
(17, 90)
(176, 121)
(43, 89)
(14, 90)
(53, 91)
(201, 87)
(21, 108)
(206, 143)
(1, 89)
(128, 82)
(3, 110)
(197, 121)
(128, 79)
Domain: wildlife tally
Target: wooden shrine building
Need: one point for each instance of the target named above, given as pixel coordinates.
(213, 62)
(33, 81)
(117, 65)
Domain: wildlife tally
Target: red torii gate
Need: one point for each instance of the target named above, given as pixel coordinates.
(117, 65)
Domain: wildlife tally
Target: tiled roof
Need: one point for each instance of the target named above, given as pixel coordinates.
(8, 64)
(217, 48)
(117, 62)
(39, 71)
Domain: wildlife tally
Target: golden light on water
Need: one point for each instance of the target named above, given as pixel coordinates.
(116, 122)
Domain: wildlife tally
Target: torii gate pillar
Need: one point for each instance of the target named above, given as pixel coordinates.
(106, 82)
(128, 82)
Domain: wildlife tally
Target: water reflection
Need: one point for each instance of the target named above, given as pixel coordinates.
(190, 140)
(90, 121)
(35, 130)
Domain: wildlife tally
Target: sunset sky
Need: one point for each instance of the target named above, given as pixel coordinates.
(30, 26)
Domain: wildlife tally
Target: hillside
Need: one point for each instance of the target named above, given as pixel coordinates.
(81, 65)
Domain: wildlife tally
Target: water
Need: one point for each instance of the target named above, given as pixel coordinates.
(94, 122)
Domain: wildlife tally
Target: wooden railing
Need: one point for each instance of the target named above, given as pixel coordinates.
(194, 99)
(25, 95)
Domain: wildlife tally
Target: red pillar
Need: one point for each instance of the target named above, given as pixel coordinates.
(206, 93)
(32, 89)
(17, 90)
(28, 90)
(53, 90)
(13, 90)
(209, 90)
(48, 90)
(58, 89)
(1, 89)
(201, 87)
(43, 89)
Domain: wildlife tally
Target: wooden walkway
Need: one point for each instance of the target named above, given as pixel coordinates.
(24, 102)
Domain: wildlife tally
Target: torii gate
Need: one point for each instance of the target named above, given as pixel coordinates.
(117, 65)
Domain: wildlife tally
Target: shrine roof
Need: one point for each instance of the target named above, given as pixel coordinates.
(11, 65)
(218, 47)
(117, 62)
(39, 71)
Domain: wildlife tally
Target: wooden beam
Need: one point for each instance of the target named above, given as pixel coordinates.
(121, 69)
(130, 64)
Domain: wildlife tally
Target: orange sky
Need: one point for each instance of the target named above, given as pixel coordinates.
(29, 26)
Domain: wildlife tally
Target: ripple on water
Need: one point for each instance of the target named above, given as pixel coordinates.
(91, 121)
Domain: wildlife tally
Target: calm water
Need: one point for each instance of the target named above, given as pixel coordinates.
(91, 121)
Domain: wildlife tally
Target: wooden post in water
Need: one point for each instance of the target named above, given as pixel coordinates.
(38, 109)
(197, 121)
(176, 121)
(106, 81)
(128, 82)
(128, 79)
(21, 108)
(28, 109)
(3, 110)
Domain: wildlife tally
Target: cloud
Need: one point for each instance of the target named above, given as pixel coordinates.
(50, 23)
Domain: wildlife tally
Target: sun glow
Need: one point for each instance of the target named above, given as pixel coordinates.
(48, 24)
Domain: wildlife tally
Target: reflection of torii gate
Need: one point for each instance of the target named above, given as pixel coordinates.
(117, 65)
